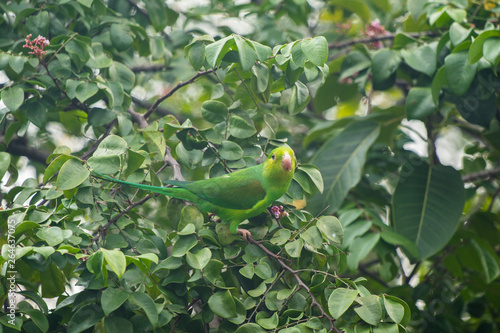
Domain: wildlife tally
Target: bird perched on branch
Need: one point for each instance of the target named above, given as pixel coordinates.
(236, 196)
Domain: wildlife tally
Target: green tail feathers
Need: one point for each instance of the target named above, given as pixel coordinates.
(170, 191)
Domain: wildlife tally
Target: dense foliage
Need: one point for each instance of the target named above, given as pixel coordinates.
(391, 223)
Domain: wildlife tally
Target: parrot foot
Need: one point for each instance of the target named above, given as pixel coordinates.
(244, 233)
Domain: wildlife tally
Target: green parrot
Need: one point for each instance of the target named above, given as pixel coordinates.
(237, 196)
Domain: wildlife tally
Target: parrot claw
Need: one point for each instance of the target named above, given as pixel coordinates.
(244, 233)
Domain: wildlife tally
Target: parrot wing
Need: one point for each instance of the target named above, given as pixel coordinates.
(233, 191)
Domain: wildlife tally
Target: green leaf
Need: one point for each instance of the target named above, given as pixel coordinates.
(246, 52)
(4, 163)
(241, 128)
(183, 245)
(397, 239)
(116, 260)
(384, 64)
(250, 328)
(269, 323)
(371, 310)
(111, 145)
(476, 48)
(118, 324)
(263, 51)
(120, 73)
(405, 321)
(425, 197)
(281, 237)
(85, 90)
(316, 50)
(261, 74)
(215, 51)
(394, 309)
(105, 164)
(491, 50)
(340, 161)
(386, 328)
(222, 304)
(146, 303)
(459, 73)
(158, 12)
(488, 258)
(360, 248)
(340, 300)
(421, 59)
(294, 248)
(86, 317)
(112, 299)
(52, 235)
(458, 33)
(38, 318)
(36, 112)
(299, 98)
(53, 281)
(196, 55)
(13, 97)
(45, 251)
(314, 175)
(121, 36)
(16, 63)
(419, 103)
(230, 151)
(72, 174)
(356, 6)
(438, 83)
(191, 215)
(260, 290)
(214, 111)
(331, 228)
(263, 270)
(199, 259)
(313, 237)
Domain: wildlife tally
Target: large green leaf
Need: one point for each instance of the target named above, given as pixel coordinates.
(85, 317)
(419, 103)
(112, 299)
(246, 52)
(13, 97)
(459, 73)
(341, 160)
(72, 174)
(422, 59)
(340, 300)
(427, 205)
(384, 65)
(146, 303)
(316, 50)
(222, 304)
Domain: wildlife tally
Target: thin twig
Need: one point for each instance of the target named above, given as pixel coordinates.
(96, 144)
(300, 283)
(174, 89)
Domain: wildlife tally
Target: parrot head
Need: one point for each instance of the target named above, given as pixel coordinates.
(281, 163)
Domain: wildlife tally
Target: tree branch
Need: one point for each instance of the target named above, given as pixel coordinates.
(96, 144)
(174, 89)
(480, 174)
(300, 283)
(20, 148)
(149, 68)
(147, 105)
(366, 40)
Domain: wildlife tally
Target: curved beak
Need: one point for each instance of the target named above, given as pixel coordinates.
(286, 162)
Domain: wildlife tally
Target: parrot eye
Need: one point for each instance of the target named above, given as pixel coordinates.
(273, 157)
